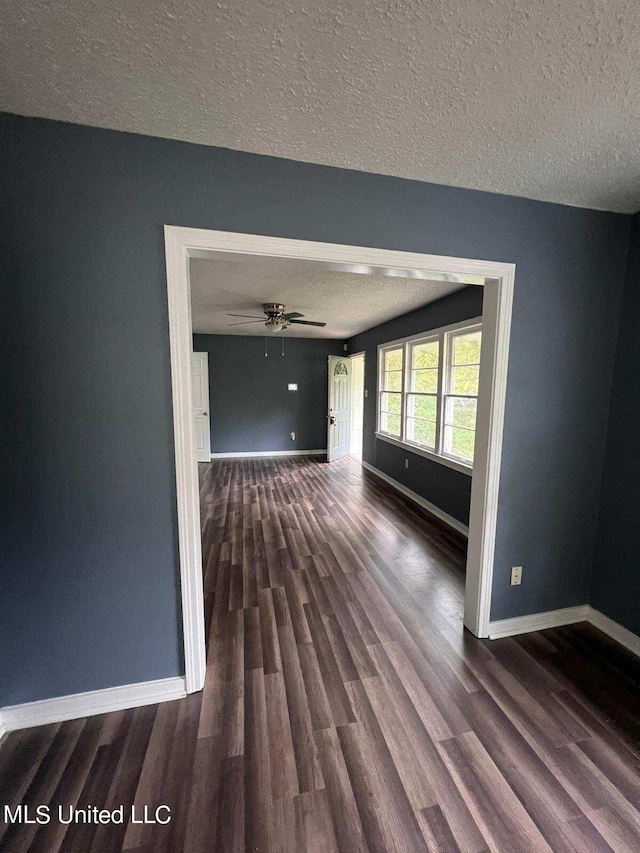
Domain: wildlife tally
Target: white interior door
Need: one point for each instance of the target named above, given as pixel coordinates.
(339, 420)
(200, 403)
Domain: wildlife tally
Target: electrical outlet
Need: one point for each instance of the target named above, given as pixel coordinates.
(345, 347)
(293, 436)
(516, 575)
(406, 463)
(366, 393)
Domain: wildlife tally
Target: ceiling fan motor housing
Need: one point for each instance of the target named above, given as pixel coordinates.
(273, 309)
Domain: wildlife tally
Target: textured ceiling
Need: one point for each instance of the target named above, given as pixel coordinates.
(535, 98)
(347, 302)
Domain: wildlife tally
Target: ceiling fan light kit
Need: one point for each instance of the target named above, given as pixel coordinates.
(275, 325)
(277, 320)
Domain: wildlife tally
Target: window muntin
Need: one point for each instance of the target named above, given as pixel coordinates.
(428, 389)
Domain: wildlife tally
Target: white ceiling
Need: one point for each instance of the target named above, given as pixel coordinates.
(347, 302)
(535, 98)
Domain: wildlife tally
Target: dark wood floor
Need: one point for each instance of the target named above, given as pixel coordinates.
(344, 707)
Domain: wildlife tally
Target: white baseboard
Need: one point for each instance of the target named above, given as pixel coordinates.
(79, 705)
(537, 621)
(259, 453)
(614, 630)
(567, 616)
(3, 730)
(418, 499)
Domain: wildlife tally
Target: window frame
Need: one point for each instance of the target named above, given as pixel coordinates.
(408, 346)
(444, 336)
(382, 350)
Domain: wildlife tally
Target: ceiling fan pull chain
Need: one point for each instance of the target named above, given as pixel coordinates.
(282, 339)
(265, 347)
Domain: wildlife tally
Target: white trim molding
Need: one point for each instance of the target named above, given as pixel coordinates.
(428, 454)
(612, 629)
(537, 621)
(496, 277)
(497, 304)
(187, 484)
(3, 728)
(89, 704)
(566, 616)
(263, 453)
(418, 499)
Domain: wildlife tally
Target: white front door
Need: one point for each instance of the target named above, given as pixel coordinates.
(339, 419)
(200, 403)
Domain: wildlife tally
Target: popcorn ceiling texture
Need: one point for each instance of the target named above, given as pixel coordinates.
(533, 98)
(347, 302)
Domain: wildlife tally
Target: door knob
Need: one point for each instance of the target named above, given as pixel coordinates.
(203, 414)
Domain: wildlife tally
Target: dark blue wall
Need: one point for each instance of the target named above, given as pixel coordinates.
(448, 489)
(616, 579)
(251, 409)
(90, 581)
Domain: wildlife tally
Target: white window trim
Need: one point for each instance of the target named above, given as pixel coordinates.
(441, 334)
(428, 454)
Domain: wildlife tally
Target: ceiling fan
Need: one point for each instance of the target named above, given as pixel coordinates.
(276, 320)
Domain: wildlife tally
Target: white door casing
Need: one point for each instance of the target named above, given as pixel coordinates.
(497, 277)
(339, 416)
(200, 403)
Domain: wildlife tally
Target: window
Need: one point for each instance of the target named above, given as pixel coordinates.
(422, 393)
(391, 391)
(461, 394)
(428, 392)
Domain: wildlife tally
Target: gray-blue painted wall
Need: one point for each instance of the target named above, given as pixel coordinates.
(448, 489)
(616, 578)
(90, 591)
(250, 406)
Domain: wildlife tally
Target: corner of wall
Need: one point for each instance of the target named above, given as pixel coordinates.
(629, 291)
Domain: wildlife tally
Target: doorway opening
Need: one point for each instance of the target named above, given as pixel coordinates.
(200, 404)
(184, 246)
(357, 404)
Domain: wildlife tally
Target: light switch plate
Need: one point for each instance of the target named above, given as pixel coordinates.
(292, 386)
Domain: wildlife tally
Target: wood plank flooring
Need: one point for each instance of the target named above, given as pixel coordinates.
(344, 707)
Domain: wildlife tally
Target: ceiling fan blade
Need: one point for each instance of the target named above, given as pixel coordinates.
(292, 315)
(307, 322)
(245, 323)
(248, 316)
